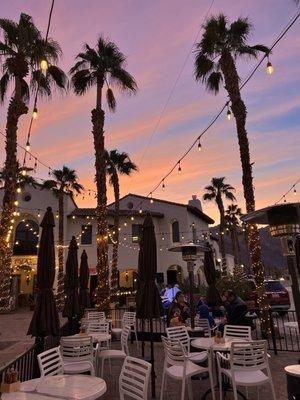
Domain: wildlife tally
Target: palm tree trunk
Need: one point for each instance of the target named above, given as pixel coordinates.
(237, 244)
(60, 277)
(240, 113)
(101, 210)
(115, 250)
(221, 234)
(16, 108)
(233, 244)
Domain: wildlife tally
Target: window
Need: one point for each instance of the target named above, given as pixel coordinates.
(86, 234)
(136, 232)
(175, 232)
(26, 238)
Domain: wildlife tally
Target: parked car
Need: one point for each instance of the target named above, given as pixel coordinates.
(277, 294)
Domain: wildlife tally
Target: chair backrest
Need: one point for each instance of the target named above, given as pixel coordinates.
(124, 338)
(50, 362)
(134, 378)
(174, 351)
(129, 318)
(99, 315)
(84, 322)
(204, 325)
(237, 331)
(249, 356)
(98, 327)
(76, 349)
(178, 333)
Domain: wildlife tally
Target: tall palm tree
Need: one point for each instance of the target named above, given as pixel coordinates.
(233, 213)
(21, 50)
(102, 67)
(65, 182)
(118, 163)
(221, 45)
(23, 177)
(216, 191)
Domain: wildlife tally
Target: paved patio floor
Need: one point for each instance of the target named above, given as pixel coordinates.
(277, 363)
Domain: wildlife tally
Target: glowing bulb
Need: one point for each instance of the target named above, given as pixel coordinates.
(295, 192)
(125, 223)
(35, 113)
(132, 218)
(163, 186)
(27, 146)
(270, 68)
(39, 214)
(179, 168)
(16, 203)
(73, 216)
(228, 115)
(140, 211)
(199, 146)
(23, 172)
(19, 190)
(44, 65)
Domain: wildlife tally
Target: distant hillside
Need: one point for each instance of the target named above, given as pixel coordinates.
(271, 250)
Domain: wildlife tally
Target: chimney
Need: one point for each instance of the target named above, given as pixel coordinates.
(195, 202)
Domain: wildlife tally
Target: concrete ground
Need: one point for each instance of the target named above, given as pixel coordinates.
(277, 363)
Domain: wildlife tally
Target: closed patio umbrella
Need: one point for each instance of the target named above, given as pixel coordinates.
(148, 300)
(84, 281)
(213, 295)
(72, 308)
(297, 253)
(45, 321)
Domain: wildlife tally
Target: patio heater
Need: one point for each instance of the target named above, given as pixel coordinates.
(189, 253)
(284, 222)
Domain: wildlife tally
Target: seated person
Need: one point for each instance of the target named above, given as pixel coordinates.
(180, 304)
(203, 312)
(176, 319)
(236, 309)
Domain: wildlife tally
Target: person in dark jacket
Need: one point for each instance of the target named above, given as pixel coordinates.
(236, 309)
(179, 305)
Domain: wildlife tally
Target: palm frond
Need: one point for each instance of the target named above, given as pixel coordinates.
(122, 79)
(82, 81)
(3, 86)
(49, 184)
(25, 92)
(10, 31)
(213, 82)
(57, 77)
(111, 101)
(78, 66)
(203, 66)
(38, 78)
(239, 31)
(209, 196)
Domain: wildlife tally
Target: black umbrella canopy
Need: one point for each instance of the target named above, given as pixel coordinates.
(148, 299)
(72, 307)
(45, 321)
(84, 281)
(297, 252)
(213, 295)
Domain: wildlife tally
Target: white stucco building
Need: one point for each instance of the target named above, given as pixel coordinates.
(173, 222)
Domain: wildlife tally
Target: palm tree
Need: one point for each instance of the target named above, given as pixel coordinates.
(23, 177)
(215, 191)
(104, 68)
(21, 51)
(221, 45)
(117, 164)
(64, 182)
(233, 213)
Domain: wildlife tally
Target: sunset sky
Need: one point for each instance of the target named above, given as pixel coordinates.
(156, 37)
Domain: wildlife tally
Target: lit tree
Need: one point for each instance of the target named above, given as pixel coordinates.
(216, 191)
(102, 67)
(117, 164)
(221, 45)
(22, 48)
(233, 213)
(64, 182)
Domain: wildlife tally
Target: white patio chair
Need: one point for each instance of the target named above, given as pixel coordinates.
(203, 325)
(129, 318)
(77, 355)
(134, 379)
(178, 366)
(98, 315)
(248, 366)
(95, 327)
(112, 353)
(237, 332)
(50, 362)
(180, 333)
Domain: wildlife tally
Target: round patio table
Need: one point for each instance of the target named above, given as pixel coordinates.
(26, 396)
(293, 381)
(67, 387)
(209, 343)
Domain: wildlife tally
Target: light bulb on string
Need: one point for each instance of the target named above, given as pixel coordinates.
(179, 168)
(140, 211)
(19, 190)
(270, 68)
(228, 114)
(34, 113)
(163, 185)
(35, 164)
(44, 65)
(27, 147)
(284, 199)
(199, 146)
(295, 192)
(151, 199)
(23, 172)
(49, 171)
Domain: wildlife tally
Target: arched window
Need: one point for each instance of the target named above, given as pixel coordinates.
(175, 232)
(26, 238)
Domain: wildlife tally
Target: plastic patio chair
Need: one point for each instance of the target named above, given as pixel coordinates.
(134, 379)
(50, 362)
(238, 332)
(77, 355)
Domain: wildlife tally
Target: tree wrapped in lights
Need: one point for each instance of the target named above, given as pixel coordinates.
(233, 213)
(20, 59)
(64, 182)
(117, 163)
(102, 67)
(215, 62)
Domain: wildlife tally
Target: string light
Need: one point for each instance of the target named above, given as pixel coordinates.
(295, 192)
(44, 65)
(19, 190)
(35, 113)
(23, 172)
(228, 114)
(199, 146)
(27, 147)
(179, 168)
(151, 199)
(163, 185)
(270, 68)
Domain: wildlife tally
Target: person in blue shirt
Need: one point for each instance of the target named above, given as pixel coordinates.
(203, 312)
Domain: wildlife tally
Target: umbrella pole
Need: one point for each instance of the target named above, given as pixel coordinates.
(152, 359)
(143, 342)
(295, 286)
(190, 267)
